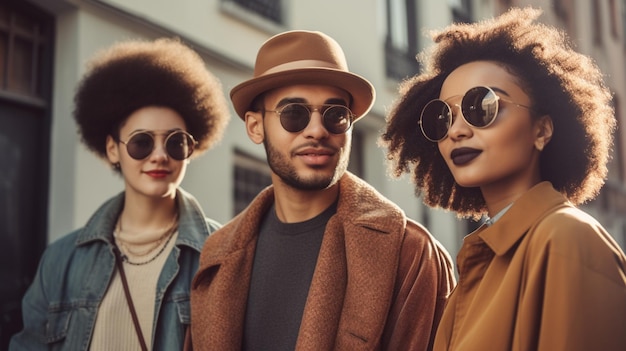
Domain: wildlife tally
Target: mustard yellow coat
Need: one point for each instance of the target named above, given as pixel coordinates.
(545, 277)
(380, 282)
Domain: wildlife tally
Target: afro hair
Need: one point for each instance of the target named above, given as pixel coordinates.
(562, 83)
(134, 74)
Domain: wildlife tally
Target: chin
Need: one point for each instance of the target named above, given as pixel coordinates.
(465, 183)
(163, 193)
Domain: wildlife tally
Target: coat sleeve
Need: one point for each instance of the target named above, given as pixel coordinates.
(424, 282)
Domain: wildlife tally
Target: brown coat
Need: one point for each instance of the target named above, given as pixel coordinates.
(545, 277)
(380, 282)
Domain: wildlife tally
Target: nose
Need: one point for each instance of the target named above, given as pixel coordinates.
(159, 153)
(315, 129)
(459, 128)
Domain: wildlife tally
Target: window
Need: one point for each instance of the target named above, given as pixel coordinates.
(617, 168)
(615, 17)
(401, 44)
(623, 19)
(461, 10)
(597, 22)
(267, 14)
(269, 9)
(356, 153)
(251, 176)
(505, 4)
(22, 48)
(564, 13)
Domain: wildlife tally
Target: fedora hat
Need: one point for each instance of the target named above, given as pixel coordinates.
(302, 57)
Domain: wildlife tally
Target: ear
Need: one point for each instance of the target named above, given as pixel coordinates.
(112, 150)
(543, 132)
(254, 126)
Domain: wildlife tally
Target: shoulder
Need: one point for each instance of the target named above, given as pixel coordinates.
(66, 243)
(60, 253)
(188, 204)
(420, 240)
(234, 228)
(360, 204)
(194, 225)
(212, 224)
(242, 229)
(424, 261)
(577, 239)
(354, 192)
(568, 226)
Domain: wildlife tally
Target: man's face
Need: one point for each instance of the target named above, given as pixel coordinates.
(313, 158)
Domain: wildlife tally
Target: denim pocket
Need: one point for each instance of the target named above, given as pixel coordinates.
(57, 325)
(184, 311)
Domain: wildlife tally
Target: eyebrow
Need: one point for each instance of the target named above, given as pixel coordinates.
(331, 101)
(498, 90)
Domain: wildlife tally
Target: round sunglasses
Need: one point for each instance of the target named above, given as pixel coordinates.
(179, 144)
(479, 109)
(294, 117)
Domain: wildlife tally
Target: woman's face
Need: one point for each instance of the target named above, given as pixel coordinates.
(503, 158)
(158, 174)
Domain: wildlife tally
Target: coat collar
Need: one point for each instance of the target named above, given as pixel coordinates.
(102, 223)
(359, 204)
(362, 205)
(509, 229)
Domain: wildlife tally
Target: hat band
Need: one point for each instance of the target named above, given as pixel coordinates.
(301, 64)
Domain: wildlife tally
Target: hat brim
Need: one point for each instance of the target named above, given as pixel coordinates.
(362, 91)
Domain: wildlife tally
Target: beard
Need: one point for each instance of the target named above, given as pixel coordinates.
(282, 166)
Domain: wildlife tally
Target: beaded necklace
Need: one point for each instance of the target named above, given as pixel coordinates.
(125, 246)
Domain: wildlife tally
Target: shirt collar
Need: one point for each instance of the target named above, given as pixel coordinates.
(492, 220)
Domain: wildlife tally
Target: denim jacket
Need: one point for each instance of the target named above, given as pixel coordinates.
(60, 306)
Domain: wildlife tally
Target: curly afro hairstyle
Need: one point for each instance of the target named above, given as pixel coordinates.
(562, 83)
(134, 74)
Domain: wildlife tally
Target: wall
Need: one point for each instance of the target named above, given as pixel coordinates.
(228, 42)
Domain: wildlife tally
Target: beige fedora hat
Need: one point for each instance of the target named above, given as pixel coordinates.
(302, 57)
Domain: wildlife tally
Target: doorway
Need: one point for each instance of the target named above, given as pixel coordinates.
(26, 34)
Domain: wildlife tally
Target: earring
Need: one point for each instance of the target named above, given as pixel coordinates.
(116, 166)
(539, 145)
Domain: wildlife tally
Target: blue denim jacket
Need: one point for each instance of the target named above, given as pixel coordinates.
(60, 307)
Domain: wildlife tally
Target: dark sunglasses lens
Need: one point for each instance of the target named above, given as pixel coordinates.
(479, 106)
(294, 117)
(337, 119)
(140, 146)
(435, 120)
(179, 145)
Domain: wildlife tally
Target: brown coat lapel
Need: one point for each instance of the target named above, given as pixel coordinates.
(352, 286)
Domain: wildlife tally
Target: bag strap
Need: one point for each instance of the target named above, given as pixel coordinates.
(129, 299)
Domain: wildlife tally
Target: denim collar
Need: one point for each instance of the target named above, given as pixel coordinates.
(192, 226)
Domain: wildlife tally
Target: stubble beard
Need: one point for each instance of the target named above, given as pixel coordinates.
(284, 169)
